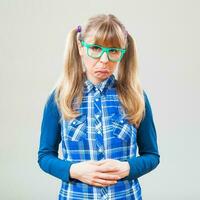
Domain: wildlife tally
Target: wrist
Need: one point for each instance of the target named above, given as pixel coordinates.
(127, 167)
(72, 171)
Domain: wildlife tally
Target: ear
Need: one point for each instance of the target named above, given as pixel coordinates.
(80, 47)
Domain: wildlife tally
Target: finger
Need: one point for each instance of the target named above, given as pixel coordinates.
(100, 162)
(105, 182)
(92, 162)
(98, 185)
(107, 176)
(104, 168)
(103, 161)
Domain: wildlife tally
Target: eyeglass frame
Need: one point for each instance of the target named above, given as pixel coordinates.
(104, 49)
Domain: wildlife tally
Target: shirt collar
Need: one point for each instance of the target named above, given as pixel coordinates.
(107, 83)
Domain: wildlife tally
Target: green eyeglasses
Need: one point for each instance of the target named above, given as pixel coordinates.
(96, 51)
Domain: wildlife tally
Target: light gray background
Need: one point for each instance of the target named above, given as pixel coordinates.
(32, 39)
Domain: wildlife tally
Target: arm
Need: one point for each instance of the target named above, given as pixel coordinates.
(147, 144)
(49, 143)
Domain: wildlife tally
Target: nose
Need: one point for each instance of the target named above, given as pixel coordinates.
(104, 57)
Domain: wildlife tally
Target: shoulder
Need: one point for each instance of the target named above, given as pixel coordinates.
(148, 111)
(51, 104)
(146, 100)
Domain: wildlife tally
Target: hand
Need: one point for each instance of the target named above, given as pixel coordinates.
(92, 173)
(122, 168)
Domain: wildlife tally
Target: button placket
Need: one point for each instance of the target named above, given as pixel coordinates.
(98, 124)
(101, 150)
(97, 116)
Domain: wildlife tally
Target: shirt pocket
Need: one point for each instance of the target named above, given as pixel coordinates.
(77, 128)
(122, 129)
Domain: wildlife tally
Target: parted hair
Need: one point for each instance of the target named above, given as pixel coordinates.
(107, 29)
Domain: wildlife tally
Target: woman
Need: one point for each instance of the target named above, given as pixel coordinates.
(100, 119)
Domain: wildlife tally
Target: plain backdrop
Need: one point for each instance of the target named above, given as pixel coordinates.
(32, 43)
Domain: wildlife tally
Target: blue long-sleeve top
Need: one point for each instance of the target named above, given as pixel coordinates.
(50, 139)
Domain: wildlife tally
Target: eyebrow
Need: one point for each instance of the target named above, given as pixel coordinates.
(104, 46)
(92, 42)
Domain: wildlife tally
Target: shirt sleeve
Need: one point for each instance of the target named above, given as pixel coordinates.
(149, 157)
(50, 139)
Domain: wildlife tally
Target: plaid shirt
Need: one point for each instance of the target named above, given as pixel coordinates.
(100, 132)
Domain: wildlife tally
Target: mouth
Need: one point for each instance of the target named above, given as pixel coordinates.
(102, 73)
(103, 70)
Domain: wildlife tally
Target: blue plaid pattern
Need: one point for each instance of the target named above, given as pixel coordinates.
(101, 131)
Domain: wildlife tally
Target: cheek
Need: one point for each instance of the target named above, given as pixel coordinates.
(113, 66)
(89, 63)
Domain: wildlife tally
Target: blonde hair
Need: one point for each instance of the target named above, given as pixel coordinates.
(106, 29)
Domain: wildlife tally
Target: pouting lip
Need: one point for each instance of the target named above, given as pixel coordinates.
(103, 71)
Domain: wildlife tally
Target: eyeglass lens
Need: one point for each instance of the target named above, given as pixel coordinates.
(96, 52)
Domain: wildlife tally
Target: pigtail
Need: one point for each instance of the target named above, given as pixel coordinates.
(69, 91)
(128, 84)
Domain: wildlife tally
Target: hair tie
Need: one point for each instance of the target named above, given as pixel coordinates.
(79, 28)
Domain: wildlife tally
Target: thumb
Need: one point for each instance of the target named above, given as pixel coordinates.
(93, 162)
(101, 162)
(107, 168)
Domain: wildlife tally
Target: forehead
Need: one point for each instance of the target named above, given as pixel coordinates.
(103, 40)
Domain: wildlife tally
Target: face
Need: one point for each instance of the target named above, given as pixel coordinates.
(97, 69)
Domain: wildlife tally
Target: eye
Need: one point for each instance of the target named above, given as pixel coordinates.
(114, 51)
(95, 48)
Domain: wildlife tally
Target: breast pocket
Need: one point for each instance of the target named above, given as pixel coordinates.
(77, 128)
(122, 129)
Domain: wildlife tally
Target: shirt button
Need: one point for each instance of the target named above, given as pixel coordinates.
(122, 121)
(97, 116)
(98, 126)
(73, 122)
(101, 150)
(96, 99)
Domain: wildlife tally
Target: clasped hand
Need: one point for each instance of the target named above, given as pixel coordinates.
(100, 173)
